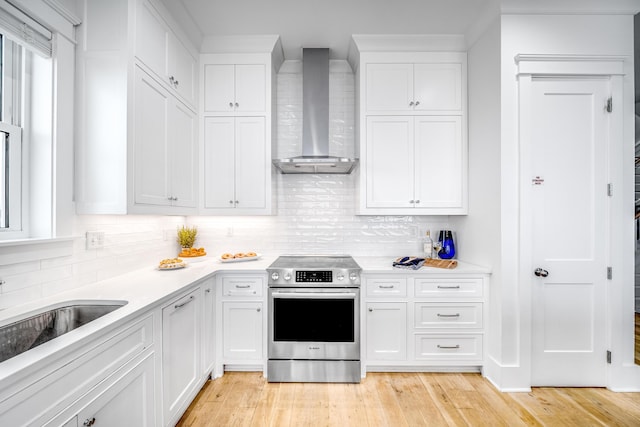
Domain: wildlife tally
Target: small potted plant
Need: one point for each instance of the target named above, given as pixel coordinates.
(187, 236)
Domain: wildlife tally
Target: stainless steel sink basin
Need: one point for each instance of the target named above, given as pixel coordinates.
(35, 329)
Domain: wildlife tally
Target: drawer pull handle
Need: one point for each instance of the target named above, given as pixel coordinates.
(243, 286)
(449, 287)
(89, 422)
(449, 315)
(184, 303)
(449, 347)
(386, 286)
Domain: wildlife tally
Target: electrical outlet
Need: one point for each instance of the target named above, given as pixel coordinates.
(95, 239)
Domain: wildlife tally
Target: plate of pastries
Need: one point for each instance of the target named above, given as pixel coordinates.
(171, 264)
(239, 256)
(192, 252)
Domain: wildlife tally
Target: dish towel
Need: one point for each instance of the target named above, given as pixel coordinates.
(408, 262)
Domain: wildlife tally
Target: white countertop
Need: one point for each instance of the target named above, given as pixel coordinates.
(148, 287)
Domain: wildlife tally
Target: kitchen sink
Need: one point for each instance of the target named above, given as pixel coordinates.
(50, 323)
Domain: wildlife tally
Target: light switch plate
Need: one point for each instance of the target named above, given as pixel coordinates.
(95, 239)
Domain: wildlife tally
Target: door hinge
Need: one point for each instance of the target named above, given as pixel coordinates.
(610, 190)
(609, 273)
(609, 356)
(609, 106)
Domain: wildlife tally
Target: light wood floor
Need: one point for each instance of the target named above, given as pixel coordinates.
(403, 399)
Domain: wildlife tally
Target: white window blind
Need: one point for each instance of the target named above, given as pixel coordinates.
(23, 29)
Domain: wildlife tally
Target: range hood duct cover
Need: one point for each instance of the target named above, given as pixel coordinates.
(315, 121)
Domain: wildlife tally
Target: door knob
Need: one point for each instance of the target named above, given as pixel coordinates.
(540, 272)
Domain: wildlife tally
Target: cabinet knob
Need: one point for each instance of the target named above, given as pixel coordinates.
(177, 83)
(412, 201)
(231, 104)
(417, 102)
(237, 105)
(236, 202)
(417, 201)
(258, 309)
(411, 104)
(370, 309)
(230, 202)
(89, 422)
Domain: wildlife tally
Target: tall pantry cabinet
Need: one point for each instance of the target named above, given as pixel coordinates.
(237, 131)
(412, 129)
(137, 117)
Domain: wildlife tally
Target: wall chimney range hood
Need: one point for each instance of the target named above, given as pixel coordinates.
(315, 121)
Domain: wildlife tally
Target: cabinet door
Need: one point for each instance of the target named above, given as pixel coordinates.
(182, 67)
(151, 141)
(184, 155)
(242, 331)
(250, 88)
(389, 87)
(438, 87)
(208, 328)
(251, 163)
(389, 162)
(386, 331)
(219, 88)
(127, 402)
(440, 162)
(219, 162)
(181, 339)
(151, 39)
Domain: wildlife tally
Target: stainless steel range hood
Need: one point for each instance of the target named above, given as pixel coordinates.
(315, 121)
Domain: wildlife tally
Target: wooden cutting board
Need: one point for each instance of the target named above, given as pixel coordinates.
(440, 263)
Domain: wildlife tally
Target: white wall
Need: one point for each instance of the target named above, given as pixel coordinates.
(479, 232)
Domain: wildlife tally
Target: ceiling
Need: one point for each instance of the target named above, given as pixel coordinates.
(330, 23)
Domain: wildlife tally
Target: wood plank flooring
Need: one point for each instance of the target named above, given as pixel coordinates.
(403, 399)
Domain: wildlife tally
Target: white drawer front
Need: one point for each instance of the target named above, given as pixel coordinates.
(443, 288)
(242, 286)
(434, 315)
(448, 347)
(387, 287)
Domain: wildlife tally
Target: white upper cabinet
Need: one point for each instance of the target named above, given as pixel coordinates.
(433, 88)
(413, 133)
(159, 49)
(237, 125)
(235, 88)
(137, 143)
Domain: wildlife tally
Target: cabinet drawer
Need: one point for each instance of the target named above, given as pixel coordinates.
(242, 286)
(387, 287)
(433, 315)
(54, 391)
(444, 288)
(448, 347)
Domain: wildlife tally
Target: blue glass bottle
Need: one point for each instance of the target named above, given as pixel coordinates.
(448, 250)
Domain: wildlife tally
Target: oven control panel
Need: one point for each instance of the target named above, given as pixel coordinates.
(304, 276)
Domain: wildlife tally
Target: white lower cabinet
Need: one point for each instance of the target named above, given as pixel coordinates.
(423, 322)
(242, 318)
(208, 327)
(181, 350)
(126, 400)
(386, 331)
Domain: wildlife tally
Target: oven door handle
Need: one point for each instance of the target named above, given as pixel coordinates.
(328, 295)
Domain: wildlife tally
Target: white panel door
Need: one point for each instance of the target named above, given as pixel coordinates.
(219, 162)
(181, 340)
(439, 162)
(386, 331)
(250, 88)
(242, 331)
(182, 67)
(151, 141)
(438, 87)
(389, 87)
(151, 39)
(389, 166)
(569, 138)
(219, 88)
(184, 152)
(251, 162)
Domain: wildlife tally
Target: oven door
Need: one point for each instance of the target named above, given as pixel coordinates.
(314, 323)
